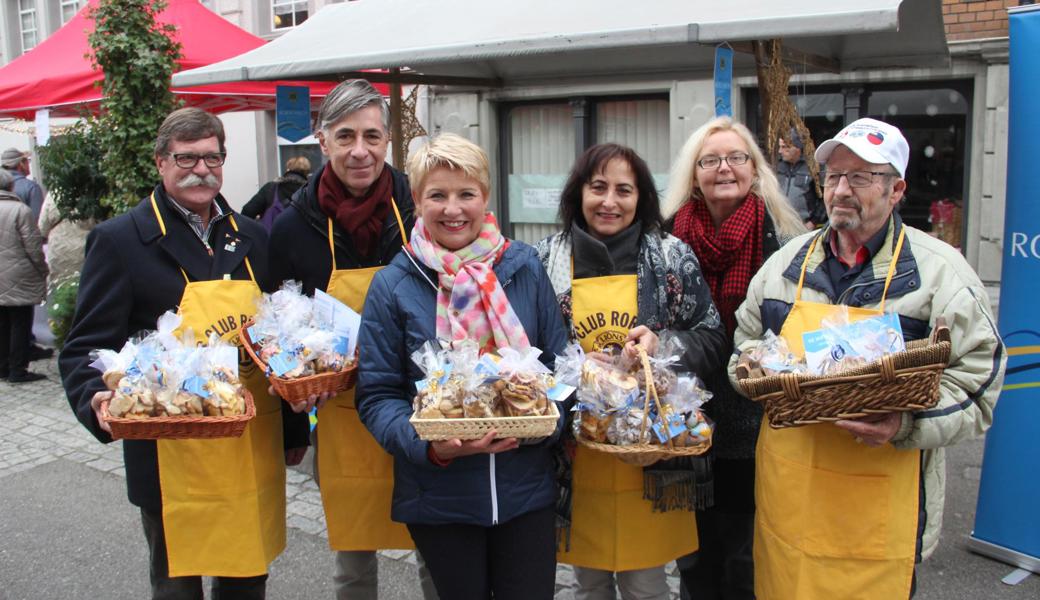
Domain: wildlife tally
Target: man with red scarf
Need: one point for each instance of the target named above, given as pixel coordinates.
(347, 222)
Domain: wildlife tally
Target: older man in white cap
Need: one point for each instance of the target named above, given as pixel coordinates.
(848, 508)
(16, 163)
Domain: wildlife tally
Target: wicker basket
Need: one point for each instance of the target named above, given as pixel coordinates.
(175, 428)
(474, 428)
(899, 382)
(297, 389)
(644, 455)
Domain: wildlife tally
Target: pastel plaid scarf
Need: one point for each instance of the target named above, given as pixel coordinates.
(480, 310)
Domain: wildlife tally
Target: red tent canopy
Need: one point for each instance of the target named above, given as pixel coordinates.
(57, 73)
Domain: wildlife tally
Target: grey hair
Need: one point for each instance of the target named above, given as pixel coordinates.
(188, 125)
(349, 97)
(6, 180)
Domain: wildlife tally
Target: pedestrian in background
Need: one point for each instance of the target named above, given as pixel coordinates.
(797, 183)
(274, 197)
(16, 163)
(723, 200)
(23, 282)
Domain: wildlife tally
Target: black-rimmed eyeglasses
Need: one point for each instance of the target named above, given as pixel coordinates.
(188, 161)
(856, 179)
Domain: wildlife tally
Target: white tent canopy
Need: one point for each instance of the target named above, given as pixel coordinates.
(512, 42)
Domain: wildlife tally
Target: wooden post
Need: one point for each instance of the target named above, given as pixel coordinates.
(762, 62)
(396, 132)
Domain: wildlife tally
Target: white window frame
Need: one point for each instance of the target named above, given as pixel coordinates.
(64, 4)
(292, 4)
(22, 32)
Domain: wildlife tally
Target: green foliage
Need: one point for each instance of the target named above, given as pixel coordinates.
(72, 173)
(61, 309)
(137, 56)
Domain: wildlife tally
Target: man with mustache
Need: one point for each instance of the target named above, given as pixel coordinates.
(850, 507)
(209, 507)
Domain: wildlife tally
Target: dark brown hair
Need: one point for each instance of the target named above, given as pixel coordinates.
(593, 161)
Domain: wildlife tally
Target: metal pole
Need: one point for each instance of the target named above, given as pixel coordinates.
(396, 133)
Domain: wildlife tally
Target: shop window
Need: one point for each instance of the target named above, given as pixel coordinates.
(934, 117)
(541, 141)
(286, 14)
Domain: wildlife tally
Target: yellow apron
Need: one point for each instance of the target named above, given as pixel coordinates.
(356, 474)
(612, 527)
(224, 499)
(835, 519)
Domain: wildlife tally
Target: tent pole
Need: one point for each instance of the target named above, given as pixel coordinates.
(396, 131)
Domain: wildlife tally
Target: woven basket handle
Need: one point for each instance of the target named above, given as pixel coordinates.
(651, 390)
(941, 331)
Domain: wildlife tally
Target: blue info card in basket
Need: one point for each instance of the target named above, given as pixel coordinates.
(839, 348)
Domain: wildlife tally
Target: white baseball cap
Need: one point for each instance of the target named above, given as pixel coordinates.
(872, 140)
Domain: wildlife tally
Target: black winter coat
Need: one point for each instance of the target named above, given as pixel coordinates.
(299, 245)
(399, 318)
(130, 277)
(287, 185)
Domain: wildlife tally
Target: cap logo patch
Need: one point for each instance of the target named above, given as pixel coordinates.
(876, 138)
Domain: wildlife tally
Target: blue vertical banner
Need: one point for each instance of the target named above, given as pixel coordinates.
(293, 111)
(1007, 517)
(723, 81)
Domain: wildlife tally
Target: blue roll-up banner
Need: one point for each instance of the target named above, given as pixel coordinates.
(723, 81)
(293, 111)
(1007, 518)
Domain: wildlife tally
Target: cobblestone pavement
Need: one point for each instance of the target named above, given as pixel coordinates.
(37, 427)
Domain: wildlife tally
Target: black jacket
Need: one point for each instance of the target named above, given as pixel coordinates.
(287, 185)
(299, 245)
(130, 277)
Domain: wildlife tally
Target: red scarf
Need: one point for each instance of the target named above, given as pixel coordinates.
(361, 217)
(729, 256)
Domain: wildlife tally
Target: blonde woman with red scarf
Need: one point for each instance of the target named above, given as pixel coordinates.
(480, 511)
(724, 201)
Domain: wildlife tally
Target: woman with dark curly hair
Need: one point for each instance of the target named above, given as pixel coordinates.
(612, 259)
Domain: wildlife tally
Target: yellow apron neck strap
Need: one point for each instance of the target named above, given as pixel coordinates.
(332, 247)
(892, 267)
(888, 278)
(400, 223)
(805, 264)
(162, 228)
(249, 266)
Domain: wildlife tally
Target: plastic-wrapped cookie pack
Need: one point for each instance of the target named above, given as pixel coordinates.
(613, 406)
(297, 335)
(162, 375)
(459, 382)
(839, 345)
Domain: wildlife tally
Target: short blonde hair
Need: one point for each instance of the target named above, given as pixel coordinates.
(453, 152)
(300, 164)
(681, 182)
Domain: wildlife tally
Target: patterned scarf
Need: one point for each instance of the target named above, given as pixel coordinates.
(480, 310)
(730, 255)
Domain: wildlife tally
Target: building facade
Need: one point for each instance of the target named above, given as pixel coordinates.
(955, 118)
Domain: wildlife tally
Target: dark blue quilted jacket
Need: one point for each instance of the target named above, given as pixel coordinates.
(399, 316)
